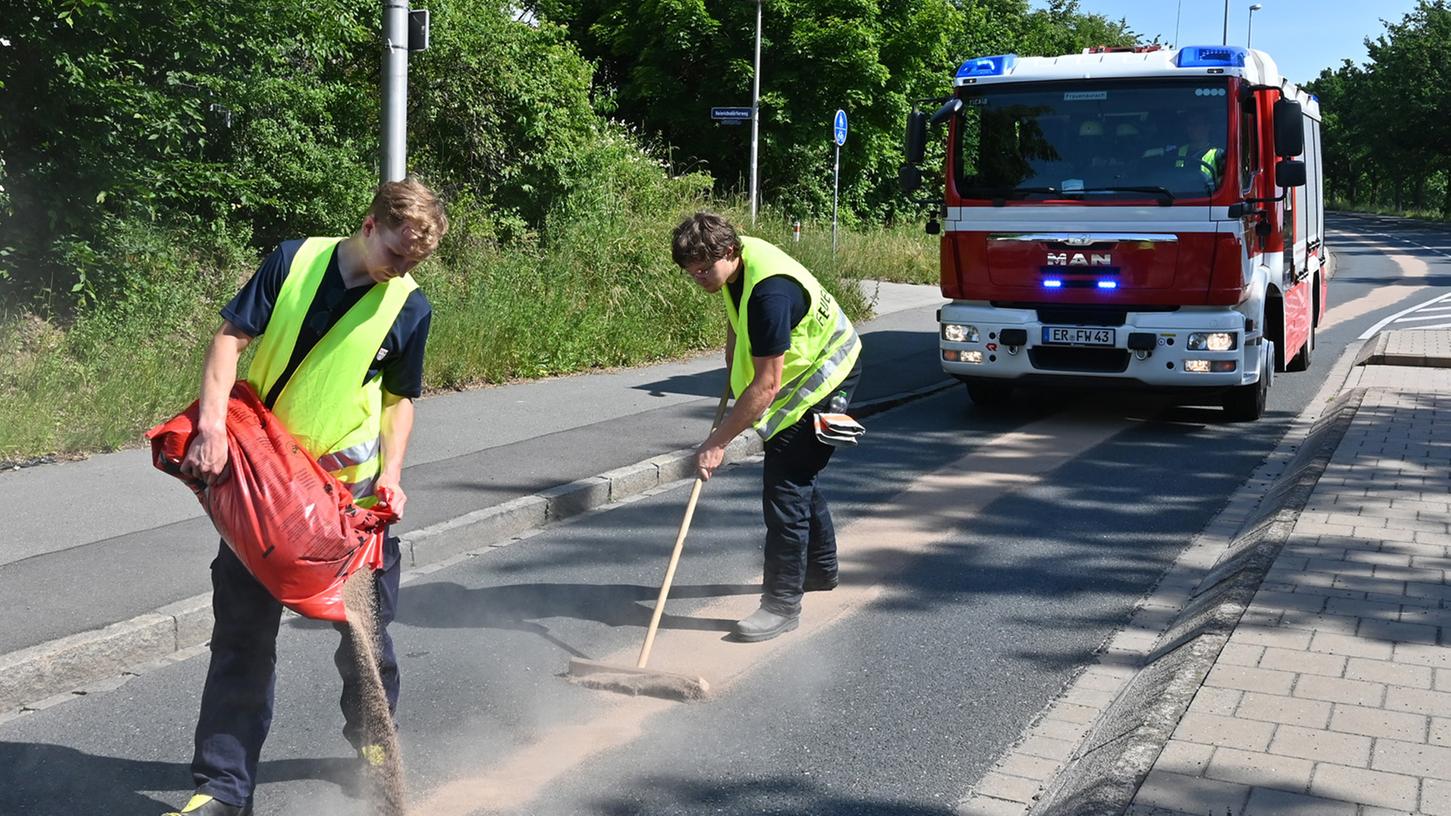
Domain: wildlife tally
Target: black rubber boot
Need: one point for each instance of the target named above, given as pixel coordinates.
(763, 624)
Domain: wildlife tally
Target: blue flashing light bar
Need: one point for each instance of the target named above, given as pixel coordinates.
(1107, 284)
(1053, 283)
(1211, 56)
(987, 66)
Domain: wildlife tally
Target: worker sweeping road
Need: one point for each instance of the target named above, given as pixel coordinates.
(343, 328)
(792, 358)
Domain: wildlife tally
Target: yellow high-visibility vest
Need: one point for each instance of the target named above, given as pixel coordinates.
(824, 345)
(1208, 161)
(326, 405)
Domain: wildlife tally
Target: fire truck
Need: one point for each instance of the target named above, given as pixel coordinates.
(1138, 217)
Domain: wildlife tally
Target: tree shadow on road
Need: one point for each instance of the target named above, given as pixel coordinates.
(40, 779)
(766, 797)
(447, 605)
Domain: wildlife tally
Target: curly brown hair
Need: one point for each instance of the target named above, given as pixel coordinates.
(704, 237)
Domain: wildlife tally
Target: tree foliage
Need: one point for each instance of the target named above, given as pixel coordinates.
(226, 124)
(663, 64)
(1387, 123)
(255, 121)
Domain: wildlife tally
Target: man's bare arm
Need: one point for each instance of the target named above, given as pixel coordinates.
(752, 403)
(206, 458)
(397, 428)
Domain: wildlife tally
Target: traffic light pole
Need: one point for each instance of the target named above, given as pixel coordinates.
(394, 164)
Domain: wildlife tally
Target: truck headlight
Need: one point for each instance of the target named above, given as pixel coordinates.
(1213, 341)
(958, 333)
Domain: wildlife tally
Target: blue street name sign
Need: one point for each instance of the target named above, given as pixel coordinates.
(731, 116)
(838, 128)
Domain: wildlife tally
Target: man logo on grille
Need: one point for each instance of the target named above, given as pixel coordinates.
(1079, 259)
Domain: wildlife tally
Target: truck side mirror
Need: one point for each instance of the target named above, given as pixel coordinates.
(1290, 173)
(1289, 129)
(916, 139)
(910, 177)
(948, 110)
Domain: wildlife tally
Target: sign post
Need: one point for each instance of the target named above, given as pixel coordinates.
(755, 114)
(838, 130)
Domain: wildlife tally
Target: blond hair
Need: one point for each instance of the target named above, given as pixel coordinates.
(410, 207)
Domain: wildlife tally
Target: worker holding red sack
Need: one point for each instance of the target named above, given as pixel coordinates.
(341, 328)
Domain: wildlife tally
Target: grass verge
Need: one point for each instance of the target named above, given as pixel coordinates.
(598, 290)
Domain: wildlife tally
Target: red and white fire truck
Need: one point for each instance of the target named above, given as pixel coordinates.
(1141, 216)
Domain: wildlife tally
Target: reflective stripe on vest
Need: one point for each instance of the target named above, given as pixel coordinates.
(824, 345)
(348, 457)
(326, 405)
(820, 382)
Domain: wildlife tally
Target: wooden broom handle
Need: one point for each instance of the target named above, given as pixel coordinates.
(679, 545)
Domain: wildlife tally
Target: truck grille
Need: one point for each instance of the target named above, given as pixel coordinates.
(1097, 360)
(1065, 316)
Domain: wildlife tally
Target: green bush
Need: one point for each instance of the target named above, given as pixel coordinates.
(597, 288)
(152, 152)
(94, 381)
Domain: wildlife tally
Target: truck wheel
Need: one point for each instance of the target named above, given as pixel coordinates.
(1302, 360)
(1246, 403)
(989, 394)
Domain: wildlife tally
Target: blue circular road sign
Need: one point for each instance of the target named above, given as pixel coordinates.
(838, 127)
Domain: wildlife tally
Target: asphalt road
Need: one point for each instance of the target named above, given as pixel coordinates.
(985, 558)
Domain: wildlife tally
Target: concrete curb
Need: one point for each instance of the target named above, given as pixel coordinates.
(1377, 352)
(42, 675)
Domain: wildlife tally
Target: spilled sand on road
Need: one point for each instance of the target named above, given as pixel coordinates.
(931, 509)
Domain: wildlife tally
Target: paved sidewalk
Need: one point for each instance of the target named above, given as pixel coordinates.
(1333, 695)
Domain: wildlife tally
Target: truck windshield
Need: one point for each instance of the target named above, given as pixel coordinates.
(1162, 139)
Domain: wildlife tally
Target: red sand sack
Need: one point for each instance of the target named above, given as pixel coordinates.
(291, 523)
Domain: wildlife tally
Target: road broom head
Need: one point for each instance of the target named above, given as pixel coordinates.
(637, 682)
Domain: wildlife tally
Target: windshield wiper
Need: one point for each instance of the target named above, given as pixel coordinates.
(1165, 197)
(1029, 190)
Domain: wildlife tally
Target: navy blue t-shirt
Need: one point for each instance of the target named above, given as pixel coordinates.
(777, 304)
(399, 359)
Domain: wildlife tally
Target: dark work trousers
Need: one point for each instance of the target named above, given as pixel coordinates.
(800, 539)
(237, 700)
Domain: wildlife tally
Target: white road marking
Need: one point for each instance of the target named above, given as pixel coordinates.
(1387, 321)
(1422, 326)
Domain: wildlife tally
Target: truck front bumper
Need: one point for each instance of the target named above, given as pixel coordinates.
(1146, 348)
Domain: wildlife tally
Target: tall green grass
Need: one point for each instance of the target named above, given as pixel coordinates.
(902, 254)
(1377, 209)
(595, 288)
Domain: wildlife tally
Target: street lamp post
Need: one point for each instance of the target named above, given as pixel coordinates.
(1225, 41)
(1250, 34)
(756, 114)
